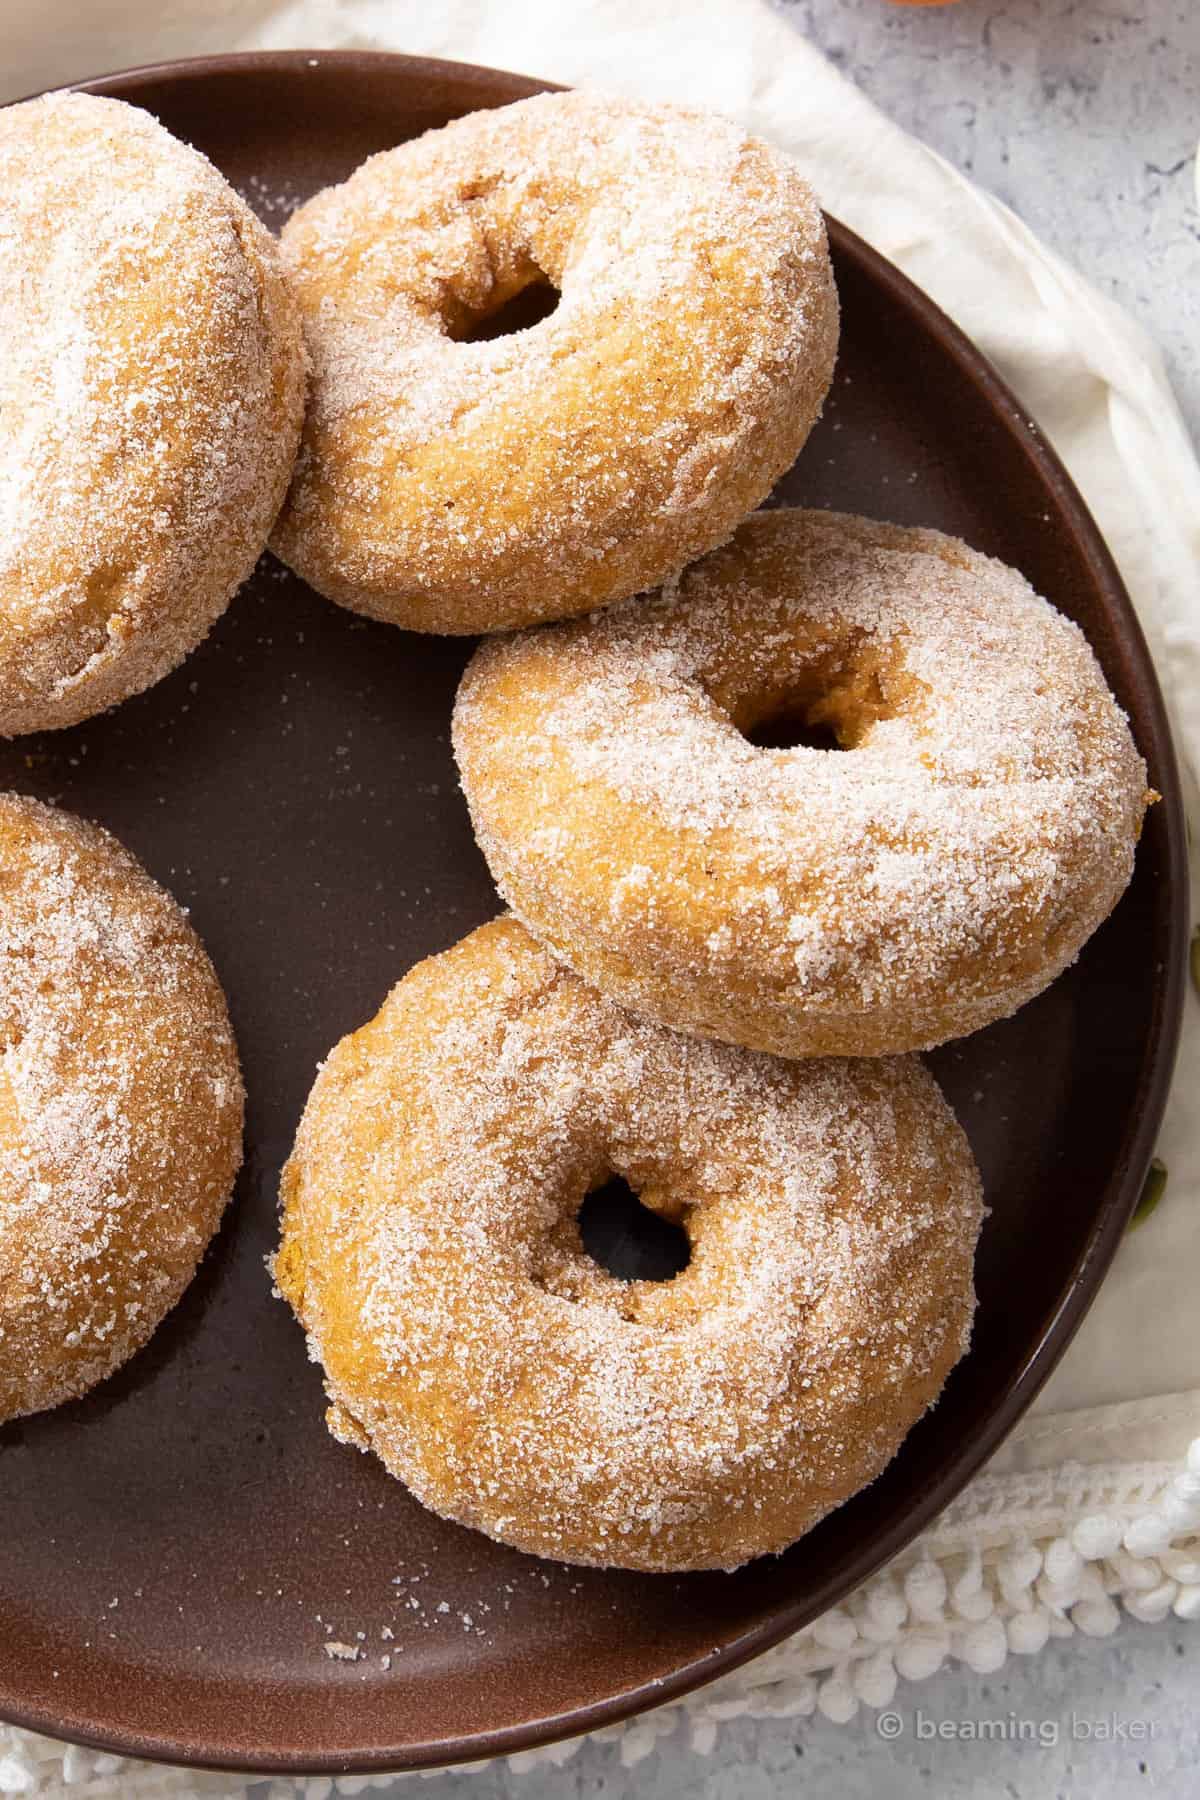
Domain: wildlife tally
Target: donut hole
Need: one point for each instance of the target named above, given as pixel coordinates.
(793, 728)
(833, 703)
(809, 713)
(627, 1239)
(534, 300)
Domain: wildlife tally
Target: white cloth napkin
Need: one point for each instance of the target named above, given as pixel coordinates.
(1091, 1496)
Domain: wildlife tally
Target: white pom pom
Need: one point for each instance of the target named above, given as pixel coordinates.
(925, 1591)
(875, 1679)
(1153, 1604)
(880, 1635)
(76, 1765)
(638, 1741)
(1137, 1574)
(969, 1579)
(835, 1630)
(885, 1609)
(1057, 1595)
(1097, 1536)
(1181, 1565)
(18, 1775)
(1179, 1513)
(1027, 1633)
(1187, 1601)
(1018, 1568)
(1062, 1563)
(1187, 1485)
(1193, 1456)
(837, 1699)
(921, 1654)
(968, 1596)
(1148, 1535)
(984, 1647)
(1095, 1618)
(973, 1607)
(1091, 1584)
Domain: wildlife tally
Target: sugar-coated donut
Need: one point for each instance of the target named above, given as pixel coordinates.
(151, 389)
(462, 486)
(977, 826)
(120, 1105)
(431, 1249)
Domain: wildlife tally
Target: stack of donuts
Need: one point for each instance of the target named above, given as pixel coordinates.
(775, 799)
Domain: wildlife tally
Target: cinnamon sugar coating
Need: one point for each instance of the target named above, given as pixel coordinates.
(431, 1250)
(120, 1105)
(930, 876)
(462, 486)
(151, 388)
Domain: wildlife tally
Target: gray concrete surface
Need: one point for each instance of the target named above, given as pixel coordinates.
(1054, 1708)
(1083, 115)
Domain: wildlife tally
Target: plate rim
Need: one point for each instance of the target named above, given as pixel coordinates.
(1146, 1106)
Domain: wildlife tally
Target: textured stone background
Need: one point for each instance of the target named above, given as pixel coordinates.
(1146, 1672)
(1083, 115)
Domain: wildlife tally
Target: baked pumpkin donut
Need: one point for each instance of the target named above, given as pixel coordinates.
(974, 825)
(151, 387)
(454, 485)
(120, 1105)
(431, 1249)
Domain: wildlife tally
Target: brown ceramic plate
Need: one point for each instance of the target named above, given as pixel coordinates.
(177, 1547)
